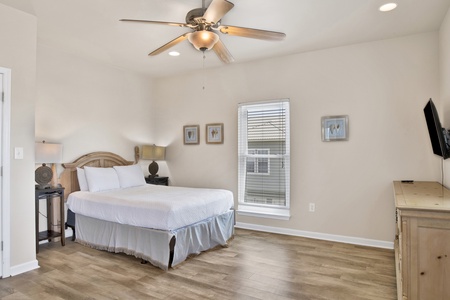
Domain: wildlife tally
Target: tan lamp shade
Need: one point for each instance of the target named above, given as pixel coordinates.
(153, 152)
(48, 153)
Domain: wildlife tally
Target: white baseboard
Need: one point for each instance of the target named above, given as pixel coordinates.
(29, 266)
(319, 236)
(19, 269)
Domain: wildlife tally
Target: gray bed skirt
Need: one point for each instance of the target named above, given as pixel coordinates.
(163, 249)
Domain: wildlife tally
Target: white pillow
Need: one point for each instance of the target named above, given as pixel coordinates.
(101, 179)
(130, 176)
(82, 180)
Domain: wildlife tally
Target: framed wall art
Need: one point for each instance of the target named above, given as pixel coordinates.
(334, 128)
(191, 134)
(214, 133)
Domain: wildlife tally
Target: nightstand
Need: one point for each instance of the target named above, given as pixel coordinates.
(49, 195)
(157, 180)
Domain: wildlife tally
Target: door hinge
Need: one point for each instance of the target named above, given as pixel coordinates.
(3, 96)
(2, 245)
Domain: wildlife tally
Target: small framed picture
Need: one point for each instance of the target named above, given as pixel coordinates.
(191, 134)
(334, 128)
(214, 133)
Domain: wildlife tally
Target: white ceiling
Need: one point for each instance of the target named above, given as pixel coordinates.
(91, 28)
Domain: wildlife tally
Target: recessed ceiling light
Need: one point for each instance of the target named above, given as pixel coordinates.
(174, 53)
(388, 7)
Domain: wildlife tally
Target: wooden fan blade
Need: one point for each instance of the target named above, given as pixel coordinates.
(157, 22)
(170, 44)
(223, 53)
(252, 33)
(216, 10)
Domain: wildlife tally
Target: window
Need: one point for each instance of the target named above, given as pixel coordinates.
(264, 159)
(257, 164)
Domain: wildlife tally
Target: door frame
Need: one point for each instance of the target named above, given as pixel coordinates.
(5, 199)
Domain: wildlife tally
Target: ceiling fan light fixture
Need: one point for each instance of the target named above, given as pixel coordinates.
(205, 24)
(203, 39)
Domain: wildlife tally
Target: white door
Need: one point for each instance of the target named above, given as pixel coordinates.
(5, 219)
(1, 165)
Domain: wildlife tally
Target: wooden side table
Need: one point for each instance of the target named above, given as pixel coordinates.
(49, 195)
(157, 180)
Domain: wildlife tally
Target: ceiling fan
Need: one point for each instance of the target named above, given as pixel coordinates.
(205, 22)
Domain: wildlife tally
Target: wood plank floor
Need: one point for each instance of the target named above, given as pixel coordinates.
(257, 265)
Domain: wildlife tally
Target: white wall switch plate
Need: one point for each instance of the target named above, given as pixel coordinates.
(18, 153)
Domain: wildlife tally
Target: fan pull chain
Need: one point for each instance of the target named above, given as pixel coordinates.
(204, 72)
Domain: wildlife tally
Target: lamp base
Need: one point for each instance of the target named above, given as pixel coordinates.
(153, 169)
(43, 175)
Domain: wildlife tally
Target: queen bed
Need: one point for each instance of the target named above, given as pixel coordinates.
(116, 211)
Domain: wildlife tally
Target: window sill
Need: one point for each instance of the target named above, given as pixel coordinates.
(263, 212)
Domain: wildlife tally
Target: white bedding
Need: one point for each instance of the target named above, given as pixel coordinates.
(152, 206)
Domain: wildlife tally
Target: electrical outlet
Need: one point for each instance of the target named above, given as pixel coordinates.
(312, 207)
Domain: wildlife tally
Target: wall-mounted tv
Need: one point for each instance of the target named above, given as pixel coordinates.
(439, 136)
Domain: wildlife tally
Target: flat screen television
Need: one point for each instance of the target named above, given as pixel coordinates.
(439, 136)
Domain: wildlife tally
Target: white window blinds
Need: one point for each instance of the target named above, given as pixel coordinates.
(264, 155)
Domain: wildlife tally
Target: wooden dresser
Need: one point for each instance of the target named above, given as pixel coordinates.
(422, 244)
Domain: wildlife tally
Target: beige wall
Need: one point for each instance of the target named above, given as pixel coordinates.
(381, 85)
(18, 53)
(444, 101)
(444, 59)
(88, 106)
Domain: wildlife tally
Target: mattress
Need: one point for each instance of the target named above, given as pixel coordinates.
(152, 206)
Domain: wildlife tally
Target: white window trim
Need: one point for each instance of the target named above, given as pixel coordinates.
(260, 210)
(264, 212)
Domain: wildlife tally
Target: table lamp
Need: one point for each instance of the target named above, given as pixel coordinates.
(46, 153)
(153, 153)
